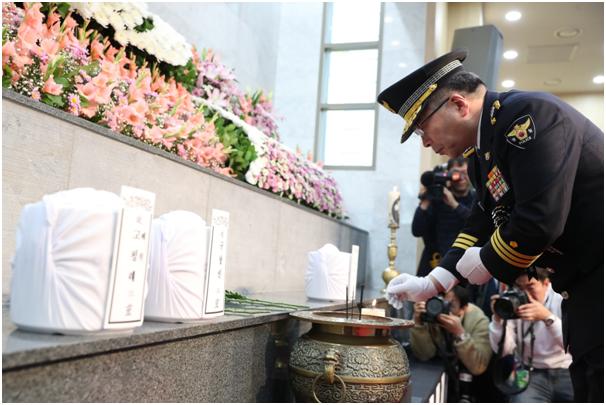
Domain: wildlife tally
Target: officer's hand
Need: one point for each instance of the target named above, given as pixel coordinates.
(451, 323)
(493, 298)
(471, 267)
(419, 308)
(533, 311)
(407, 287)
(449, 199)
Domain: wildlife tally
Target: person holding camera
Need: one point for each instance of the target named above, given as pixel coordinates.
(446, 200)
(457, 330)
(534, 328)
(537, 165)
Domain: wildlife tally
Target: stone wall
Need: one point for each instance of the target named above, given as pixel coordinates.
(45, 150)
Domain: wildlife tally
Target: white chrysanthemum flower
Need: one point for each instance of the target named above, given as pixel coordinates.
(255, 168)
(124, 17)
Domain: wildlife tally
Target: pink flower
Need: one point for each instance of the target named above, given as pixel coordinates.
(8, 51)
(51, 87)
(36, 94)
(89, 111)
(96, 49)
(33, 17)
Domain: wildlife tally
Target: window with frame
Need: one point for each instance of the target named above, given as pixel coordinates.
(349, 74)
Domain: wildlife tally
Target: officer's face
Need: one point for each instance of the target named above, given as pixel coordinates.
(445, 131)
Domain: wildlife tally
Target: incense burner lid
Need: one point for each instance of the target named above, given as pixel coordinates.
(338, 318)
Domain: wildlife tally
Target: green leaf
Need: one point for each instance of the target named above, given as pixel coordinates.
(52, 100)
(63, 9)
(84, 101)
(7, 73)
(146, 25)
(62, 80)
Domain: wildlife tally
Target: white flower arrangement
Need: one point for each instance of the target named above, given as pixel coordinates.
(124, 17)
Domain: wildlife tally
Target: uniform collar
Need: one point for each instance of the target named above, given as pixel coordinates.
(485, 117)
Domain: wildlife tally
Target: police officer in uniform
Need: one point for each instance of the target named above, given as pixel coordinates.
(538, 167)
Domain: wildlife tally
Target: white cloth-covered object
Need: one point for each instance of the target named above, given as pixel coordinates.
(327, 273)
(62, 263)
(179, 247)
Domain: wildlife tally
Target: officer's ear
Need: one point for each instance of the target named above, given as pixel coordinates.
(461, 104)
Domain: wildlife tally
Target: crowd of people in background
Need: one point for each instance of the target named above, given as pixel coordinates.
(487, 358)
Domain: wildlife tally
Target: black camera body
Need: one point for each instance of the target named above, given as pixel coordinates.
(434, 307)
(506, 306)
(435, 180)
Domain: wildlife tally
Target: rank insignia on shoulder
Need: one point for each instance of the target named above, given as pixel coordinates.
(495, 106)
(496, 184)
(521, 131)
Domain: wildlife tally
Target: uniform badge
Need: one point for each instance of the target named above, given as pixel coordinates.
(496, 184)
(521, 131)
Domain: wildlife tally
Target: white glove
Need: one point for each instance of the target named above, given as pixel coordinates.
(407, 287)
(471, 267)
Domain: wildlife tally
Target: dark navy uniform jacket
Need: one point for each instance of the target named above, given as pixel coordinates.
(539, 176)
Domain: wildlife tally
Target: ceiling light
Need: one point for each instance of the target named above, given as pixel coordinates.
(508, 83)
(568, 32)
(511, 54)
(513, 16)
(402, 65)
(395, 42)
(553, 82)
(388, 19)
(598, 79)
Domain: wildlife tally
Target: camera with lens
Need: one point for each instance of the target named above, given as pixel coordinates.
(434, 307)
(506, 306)
(435, 180)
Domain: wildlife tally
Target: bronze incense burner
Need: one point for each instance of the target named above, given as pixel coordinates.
(349, 359)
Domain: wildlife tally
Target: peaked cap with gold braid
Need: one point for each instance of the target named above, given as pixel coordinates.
(407, 97)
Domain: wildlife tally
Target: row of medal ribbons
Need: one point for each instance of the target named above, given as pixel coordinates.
(87, 261)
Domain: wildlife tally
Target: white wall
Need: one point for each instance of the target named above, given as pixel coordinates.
(591, 105)
(298, 72)
(277, 46)
(244, 35)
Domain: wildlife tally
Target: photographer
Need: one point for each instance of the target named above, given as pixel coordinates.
(466, 337)
(541, 316)
(444, 207)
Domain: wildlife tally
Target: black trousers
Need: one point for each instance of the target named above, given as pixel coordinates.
(587, 374)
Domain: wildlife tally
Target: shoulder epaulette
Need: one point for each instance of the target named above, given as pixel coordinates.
(468, 152)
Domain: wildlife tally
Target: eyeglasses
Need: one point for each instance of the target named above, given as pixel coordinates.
(418, 131)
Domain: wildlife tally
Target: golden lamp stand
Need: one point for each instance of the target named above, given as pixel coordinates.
(392, 251)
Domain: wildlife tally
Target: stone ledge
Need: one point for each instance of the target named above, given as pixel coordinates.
(24, 349)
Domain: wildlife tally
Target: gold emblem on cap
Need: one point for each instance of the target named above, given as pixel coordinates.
(387, 106)
(412, 112)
